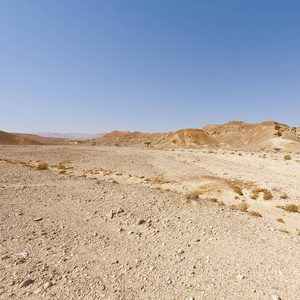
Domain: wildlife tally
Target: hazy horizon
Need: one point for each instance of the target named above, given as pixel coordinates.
(159, 66)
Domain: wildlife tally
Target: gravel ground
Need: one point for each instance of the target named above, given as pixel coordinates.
(97, 236)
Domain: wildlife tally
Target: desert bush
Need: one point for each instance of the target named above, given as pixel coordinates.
(238, 190)
(195, 193)
(280, 220)
(283, 230)
(242, 206)
(42, 166)
(290, 208)
(215, 200)
(267, 194)
(62, 172)
(283, 196)
(287, 157)
(255, 213)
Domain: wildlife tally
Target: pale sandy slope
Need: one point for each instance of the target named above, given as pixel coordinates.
(183, 250)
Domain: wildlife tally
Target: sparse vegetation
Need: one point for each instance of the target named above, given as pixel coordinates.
(283, 196)
(283, 230)
(280, 220)
(255, 213)
(42, 166)
(287, 157)
(267, 194)
(215, 200)
(238, 190)
(195, 193)
(290, 208)
(242, 206)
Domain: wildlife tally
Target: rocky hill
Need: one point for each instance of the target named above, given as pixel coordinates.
(234, 134)
(266, 134)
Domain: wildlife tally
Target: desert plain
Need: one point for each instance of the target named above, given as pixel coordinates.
(111, 222)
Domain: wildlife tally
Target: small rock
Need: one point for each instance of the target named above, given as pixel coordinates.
(4, 257)
(111, 214)
(180, 251)
(37, 291)
(240, 277)
(26, 282)
(130, 232)
(48, 284)
(37, 219)
(275, 297)
(23, 254)
(141, 221)
(120, 210)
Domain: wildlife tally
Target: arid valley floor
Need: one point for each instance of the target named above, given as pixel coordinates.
(96, 222)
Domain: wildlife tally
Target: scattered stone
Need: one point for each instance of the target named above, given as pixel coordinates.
(26, 282)
(120, 210)
(275, 297)
(111, 214)
(130, 232)
(4, 257)
(48, 284)
(180, 251)
(240, 277)
(37, 219)
(169, 281)
(23, 254)
(140, 222)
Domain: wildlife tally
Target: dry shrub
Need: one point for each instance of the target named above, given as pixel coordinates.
(280, 220)
(283, 230)
(283, 196)
(43, 166)
(195, 193)
(215, 200)
(62, 172)
(242, 206)
(287, 157)
(255, 213)
(267, 194)
(238, 190)
(290, 208)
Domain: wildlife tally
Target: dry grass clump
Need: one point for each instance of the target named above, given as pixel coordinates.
(290, 208)
(62, 172)
(283, 196)
(255, 213)
(283, 230)
(280, 220)
(215, 200)
(287, 157)
(62, 167)
(238, 190)
(160, 180)
(195, 193)
(42, 166)
(242, 206)
(267, 194)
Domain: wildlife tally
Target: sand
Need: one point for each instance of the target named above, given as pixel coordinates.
(144, 223)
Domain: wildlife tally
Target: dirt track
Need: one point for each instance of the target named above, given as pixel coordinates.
(111, 234)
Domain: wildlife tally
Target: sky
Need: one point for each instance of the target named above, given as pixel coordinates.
(94, 66)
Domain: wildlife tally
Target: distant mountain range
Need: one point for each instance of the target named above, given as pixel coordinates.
(71, 136)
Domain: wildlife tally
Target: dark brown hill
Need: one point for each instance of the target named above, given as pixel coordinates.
(45, 140)
(12, 139)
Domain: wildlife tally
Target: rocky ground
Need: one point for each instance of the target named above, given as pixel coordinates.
(132, 223)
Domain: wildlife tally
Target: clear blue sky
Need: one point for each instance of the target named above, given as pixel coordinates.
(147, 65)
